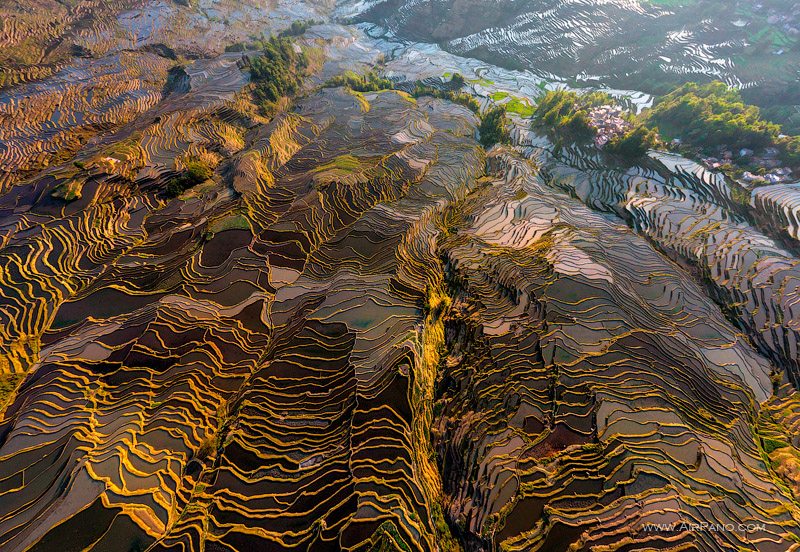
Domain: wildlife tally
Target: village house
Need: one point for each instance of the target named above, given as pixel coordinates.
(608, 122)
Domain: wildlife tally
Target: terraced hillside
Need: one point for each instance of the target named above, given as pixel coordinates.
(648, 45)
(565, 416)
(36, 37)
(340, 323)
(244, 323)
(40, 37)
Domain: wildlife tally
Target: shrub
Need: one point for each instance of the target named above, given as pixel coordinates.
(197, 171)
(790, 150)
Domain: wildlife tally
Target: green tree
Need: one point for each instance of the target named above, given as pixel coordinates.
(567, 113)
(711, 115)
(790, 149)
(457, 81)
(277, 71)
(634, 143)
(297, 28)
(462, 98)
(368, 82)
(197, 171)
(493, 128)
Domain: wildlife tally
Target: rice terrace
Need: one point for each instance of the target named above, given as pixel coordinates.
(399, 275)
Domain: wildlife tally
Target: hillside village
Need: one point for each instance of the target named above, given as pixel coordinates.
(608, 122)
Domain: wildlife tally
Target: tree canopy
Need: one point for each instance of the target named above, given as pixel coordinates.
(493, 127)
(711, 115)
(368, 82)
(634, 143)
(197, 171)
(565, 111)
(277, 71)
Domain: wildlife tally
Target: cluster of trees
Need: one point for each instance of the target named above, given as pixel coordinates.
(706, 117)
(453, 93)
(712, 115)
(634, 143)
(493, 127)
(567, 113)
(197, 171)
(790, 150)
(277, 72)
(368, 82)
(456, 81)
(298, 28)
